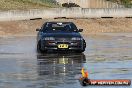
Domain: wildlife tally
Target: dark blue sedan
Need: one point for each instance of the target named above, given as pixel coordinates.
(60, 36)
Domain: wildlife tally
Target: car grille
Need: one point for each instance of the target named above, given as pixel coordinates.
(63, 39)
(63, 42)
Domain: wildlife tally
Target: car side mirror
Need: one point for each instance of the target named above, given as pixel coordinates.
(80, 30)
(37, 29)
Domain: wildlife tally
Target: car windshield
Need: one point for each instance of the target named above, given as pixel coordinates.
(60, 27)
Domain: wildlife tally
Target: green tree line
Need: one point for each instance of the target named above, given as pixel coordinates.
(126, 3)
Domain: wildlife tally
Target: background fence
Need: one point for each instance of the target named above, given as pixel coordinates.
(65, 12)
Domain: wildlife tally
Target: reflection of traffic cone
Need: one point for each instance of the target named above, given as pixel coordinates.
(84, 79)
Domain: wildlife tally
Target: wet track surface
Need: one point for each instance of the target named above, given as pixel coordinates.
(104, 58)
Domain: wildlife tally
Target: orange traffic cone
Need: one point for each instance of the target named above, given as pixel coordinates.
(84, 80)
(84, 74)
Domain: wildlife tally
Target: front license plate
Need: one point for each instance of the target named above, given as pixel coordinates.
(63, 46)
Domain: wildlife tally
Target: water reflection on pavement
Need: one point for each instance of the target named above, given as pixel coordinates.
(59, 69)
(22, 67)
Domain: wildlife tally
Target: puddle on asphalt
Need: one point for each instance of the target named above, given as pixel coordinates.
(22, 67)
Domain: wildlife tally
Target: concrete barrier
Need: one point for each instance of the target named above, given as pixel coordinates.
(64, 12)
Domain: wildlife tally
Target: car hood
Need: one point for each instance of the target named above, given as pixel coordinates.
(62, 35)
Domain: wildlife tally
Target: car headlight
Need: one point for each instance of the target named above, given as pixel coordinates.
(76, 38)
(48, 38)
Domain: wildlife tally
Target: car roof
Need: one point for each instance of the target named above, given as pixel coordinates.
(55, 22)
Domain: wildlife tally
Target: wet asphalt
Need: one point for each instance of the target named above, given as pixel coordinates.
(22, 67)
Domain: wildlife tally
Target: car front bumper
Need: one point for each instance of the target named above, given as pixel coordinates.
(53, 45)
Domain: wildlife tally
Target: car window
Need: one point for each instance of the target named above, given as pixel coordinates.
(60, 27)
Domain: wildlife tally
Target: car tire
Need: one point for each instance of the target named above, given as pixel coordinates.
(80, 51)
(39, 50)
(84, 45)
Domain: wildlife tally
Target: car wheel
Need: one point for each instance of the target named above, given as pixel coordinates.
(84, 44)
(39, 50)
(79, 51)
